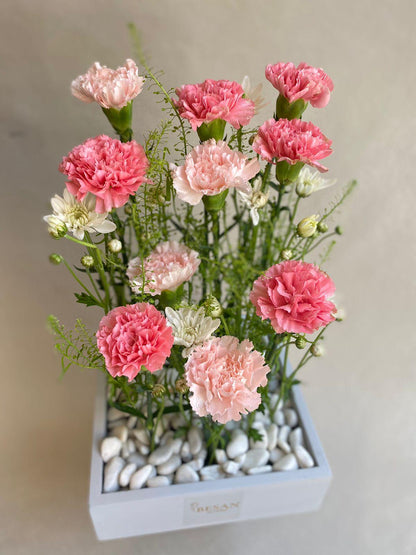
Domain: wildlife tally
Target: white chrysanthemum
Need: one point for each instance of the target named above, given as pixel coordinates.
(190, 327)
(253, 94)
(79, 217)
(310, 181)
(255, 199)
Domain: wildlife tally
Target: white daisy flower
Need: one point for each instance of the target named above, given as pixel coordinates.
(79, 217)
(255, 199)
(310, 181)
(253, 93)
(190, 326)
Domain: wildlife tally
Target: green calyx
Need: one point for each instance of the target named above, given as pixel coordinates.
(215, 203)
(289, 110)
(212, 130)
(287, 173)
(171, 298)
(121, 121)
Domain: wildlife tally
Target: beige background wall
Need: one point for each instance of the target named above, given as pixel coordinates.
(361, 395)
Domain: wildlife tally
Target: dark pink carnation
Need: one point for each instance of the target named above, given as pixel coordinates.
(293, 141)
(293, 295)
(204, 102)
(311, 84)
(133, 336)
(107, 168)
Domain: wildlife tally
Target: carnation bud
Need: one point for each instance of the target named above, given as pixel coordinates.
(158, 390)
(322, 227)
(115, 245)
(181, 386)
(339, 230)
(55, 259)
(300, 342)
(286, 254)
(87, 261)
(307, 226)
(57, 228)
(317, 350)
(212, 307)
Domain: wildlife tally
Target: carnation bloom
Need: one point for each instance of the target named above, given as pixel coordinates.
(293, 141)
(165, 269)
(311, 84)
(223, 375)
(211, 168)
(107, 168)
(293, 295)
(130, 337)
(79, 217)
(190, 326)
(110, 88)
(211, 100)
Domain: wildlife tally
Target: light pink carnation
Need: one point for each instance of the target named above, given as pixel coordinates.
(133, 336)
(293, 141)
(311, 84)
(107, 168)
(165, 269)
(293, 295)
(211, 100)
(210, 169)
(110, 88)
(223, 376)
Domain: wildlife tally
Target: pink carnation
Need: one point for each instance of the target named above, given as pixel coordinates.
(110, 88)
(107, 168)
(133, 336)
(223, 376)
(307, 82)
(211, 100)
(210, 169)
(293, 141)
(293, 295)
(165, 269)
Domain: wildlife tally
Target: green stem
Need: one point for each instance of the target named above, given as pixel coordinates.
(96, 254)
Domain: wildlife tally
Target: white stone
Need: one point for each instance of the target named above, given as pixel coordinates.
(169, 466)
(195, 440)
(260, 417)
(186, 452)
(166, 437)
(177, 421)
(260, 443)
(260, 469)
(166, 418)
(116, 423)
(212, 472)
(121, 432)
(141, 476)
(131, 422)
(255, 457)
(220, 456)
(284, 446)
(303, 457)
(186, 474)
(176, 444)
(291, 417)
(196, 464)
(284, 433)
(276, 454)
(110, 447)
(125, 451)
(126, 474)
(279, 418)
(272, 432)
(296, 437)
(142, 436)
(138, 459)
(230, 467)
(158, 481)
(238, 444)
(115, 414)
(240, 459)
(160, 455)
(143, 449)
(288, 462)
(111, 473)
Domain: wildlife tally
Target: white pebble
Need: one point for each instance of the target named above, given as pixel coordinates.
(220, 456)
(169, 466)
(238, 444)
(260, 469)
(279, 418)
(283, 445)
(131, 422)
(176, 444)
(186, 474)
(272, 436)
(259, 443)
(195, 440)
(143, 449)
(230, 467)
(284, 433)
(138, 459)
(121, 432)
(196, 464)
(212, 472)
(288, 462)
(116, 423)
(240, 459)
(141, 476)
(110, 447)
(276, 454)
(157, 481)
(167, 436)
(186, 452)
(255, 457)
(115, 414)
(304, 458)
(291, 417)
(111, 473)
(177, 421)
(126, 474)
(296, 437)
(142, 436)
(125, 451)
(160, 455)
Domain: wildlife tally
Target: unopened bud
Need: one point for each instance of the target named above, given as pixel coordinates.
(57, 228)
(127, 209)
(317, 350)
(307, 226)
(158, 390)
(87, 261)
(181, 386)
(55, 259)
(286, 254)
(115, 245)
(251, 139)
(339, 230)
(339, 315)
(322, 227)
(300, 342)
(212, 307)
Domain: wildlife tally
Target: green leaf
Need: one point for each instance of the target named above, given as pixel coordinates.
(86, 299)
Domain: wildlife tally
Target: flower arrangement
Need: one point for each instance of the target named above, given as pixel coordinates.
(195, 252)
